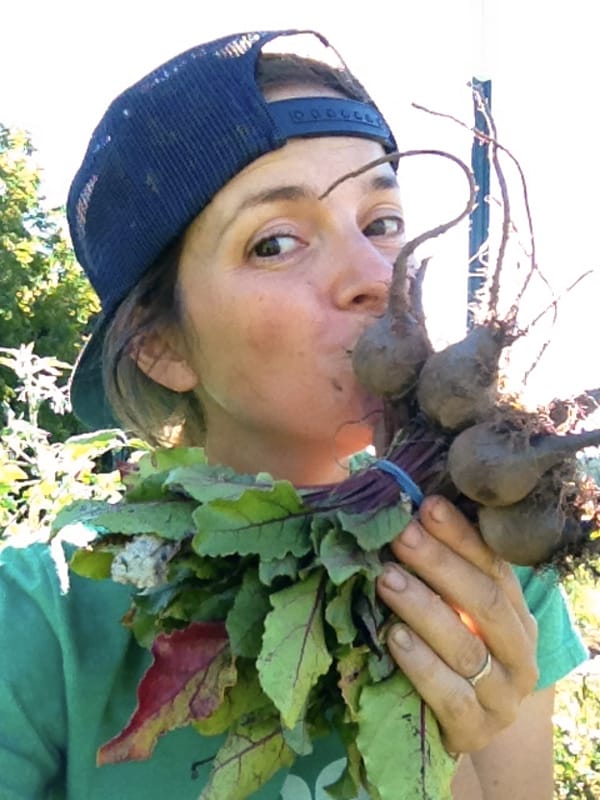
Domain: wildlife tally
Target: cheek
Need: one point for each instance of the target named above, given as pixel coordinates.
(248, 330)
(275, 329)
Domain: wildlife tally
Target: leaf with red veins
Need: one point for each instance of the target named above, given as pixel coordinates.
(252, 753)
(192, 668)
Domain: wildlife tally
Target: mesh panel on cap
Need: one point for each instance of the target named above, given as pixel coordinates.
(82, 205)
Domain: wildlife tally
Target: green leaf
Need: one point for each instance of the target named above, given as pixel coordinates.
(339, 613)
(142, 626)
(204, 482)
(374, 529)
(352, 669)
(144, 618)
(294, 654)
(92, 445)
(246, 697)
(168, 519)
(94, 564)
(299, 739)
(245, 622)
(269, 522)
(155, 601)
(368, 615)
(381, 666)
(202, 604)
(204, 569)
(342, 557)
(400, 745)
(164, 459)
(320, 526)
(145, 480)
(286, 567)
(253, 752)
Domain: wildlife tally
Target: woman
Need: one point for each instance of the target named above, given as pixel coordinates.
(233, 287)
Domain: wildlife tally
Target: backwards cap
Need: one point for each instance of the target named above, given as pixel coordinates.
(163, 149)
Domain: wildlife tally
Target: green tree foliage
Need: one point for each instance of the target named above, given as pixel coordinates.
(44, 296)
(39, 477)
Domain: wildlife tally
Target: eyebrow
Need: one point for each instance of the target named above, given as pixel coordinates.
(380, 182)
(275, 195)
(296, 192)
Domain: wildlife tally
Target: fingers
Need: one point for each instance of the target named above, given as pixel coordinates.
(444, 565)
(493, 602)
(447, 646)
(467, 724)
(444, 521)
(435, 621)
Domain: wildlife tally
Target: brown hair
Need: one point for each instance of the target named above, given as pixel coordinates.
(157, 414)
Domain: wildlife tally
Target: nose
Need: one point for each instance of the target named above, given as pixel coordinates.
(363, 277)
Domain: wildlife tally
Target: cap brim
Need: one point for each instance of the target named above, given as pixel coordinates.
(86, 388)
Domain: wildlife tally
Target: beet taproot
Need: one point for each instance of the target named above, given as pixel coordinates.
(551, 526)
(525, 533)
(459, 384)
(497, 465)
(389, 355)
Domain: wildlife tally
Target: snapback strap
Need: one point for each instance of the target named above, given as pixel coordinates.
(330, 116)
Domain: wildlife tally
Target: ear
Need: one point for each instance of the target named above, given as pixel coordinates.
(160, 360)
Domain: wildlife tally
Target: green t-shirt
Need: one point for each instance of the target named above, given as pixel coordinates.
(68, 678)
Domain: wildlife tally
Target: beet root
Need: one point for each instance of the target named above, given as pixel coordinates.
(458, 385)
(389, 355)
(526, 533)
(498, 465)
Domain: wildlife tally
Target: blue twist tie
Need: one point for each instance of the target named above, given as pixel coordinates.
(404, 480)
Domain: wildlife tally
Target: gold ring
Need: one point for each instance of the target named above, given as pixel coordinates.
(483, 672)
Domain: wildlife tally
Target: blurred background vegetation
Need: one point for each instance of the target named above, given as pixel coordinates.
(45, 297)
(47, 461)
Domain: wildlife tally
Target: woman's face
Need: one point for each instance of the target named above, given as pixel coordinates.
(276, 286)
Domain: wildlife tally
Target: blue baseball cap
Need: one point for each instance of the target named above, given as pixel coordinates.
(162, 150)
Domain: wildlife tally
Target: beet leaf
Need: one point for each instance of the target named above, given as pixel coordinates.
(390, 731)
(294, 654)
(269, 521)
(253, 752)
(191, 670)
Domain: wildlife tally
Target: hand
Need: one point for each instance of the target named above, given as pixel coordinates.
(451, 569)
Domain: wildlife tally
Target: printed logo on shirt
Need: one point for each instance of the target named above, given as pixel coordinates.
(296, 788)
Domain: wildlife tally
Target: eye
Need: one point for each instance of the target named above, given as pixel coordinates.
(274, 246)
(385, 226)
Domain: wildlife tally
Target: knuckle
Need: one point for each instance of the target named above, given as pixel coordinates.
(459, 704)
(467, 740)
(433, 605)
(471, 657)
(493, 604)
(524, 677)
(506, 713)
(527, 673)
(529, 678)
(499, 569)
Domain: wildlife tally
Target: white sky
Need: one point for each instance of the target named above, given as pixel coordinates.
(62, 62)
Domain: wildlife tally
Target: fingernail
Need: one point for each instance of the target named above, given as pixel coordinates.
(393, 578)
(439, 511)
(411, 536)
(402, 637)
